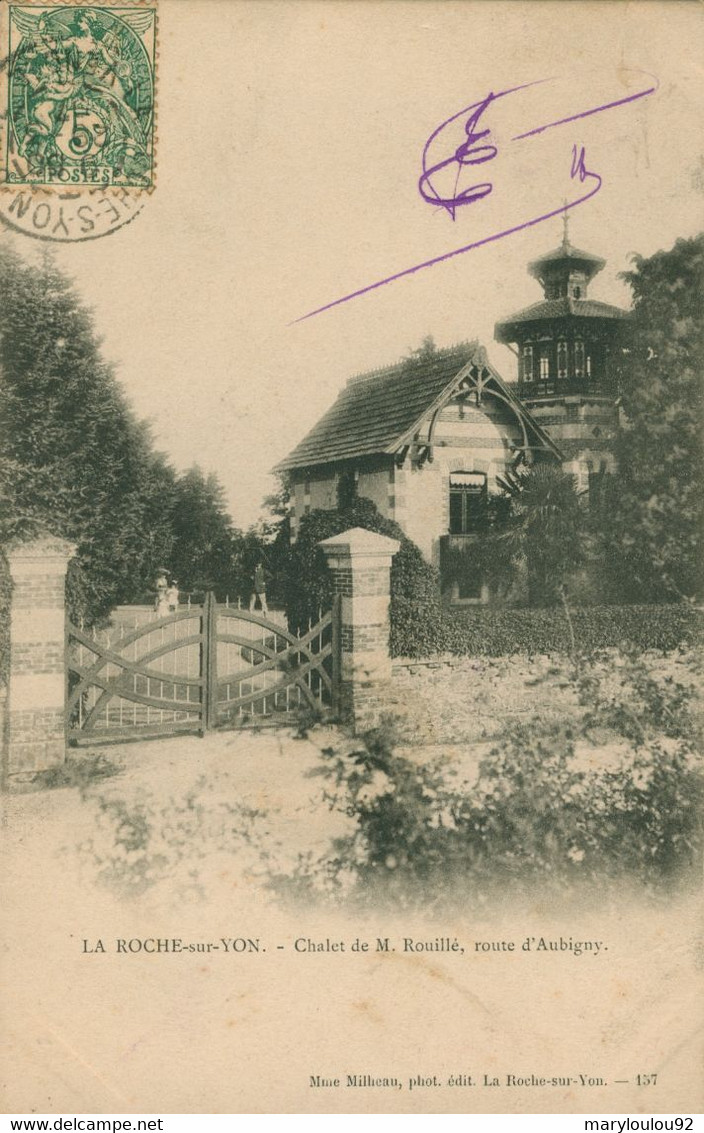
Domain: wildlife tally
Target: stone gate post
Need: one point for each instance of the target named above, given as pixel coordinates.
(360, 562)
(36, 735)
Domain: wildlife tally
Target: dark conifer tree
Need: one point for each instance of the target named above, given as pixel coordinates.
(76, 462)
(207, 547)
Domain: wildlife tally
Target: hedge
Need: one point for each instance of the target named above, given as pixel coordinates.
(421, 626)
(499, 632)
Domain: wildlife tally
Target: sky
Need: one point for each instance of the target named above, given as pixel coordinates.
(290, 146)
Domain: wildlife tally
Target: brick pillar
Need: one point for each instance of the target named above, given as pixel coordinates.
(360, 562)
(36, 737)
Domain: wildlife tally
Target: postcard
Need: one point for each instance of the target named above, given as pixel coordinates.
(349, 589)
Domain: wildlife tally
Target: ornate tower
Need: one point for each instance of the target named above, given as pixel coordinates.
(567, 346)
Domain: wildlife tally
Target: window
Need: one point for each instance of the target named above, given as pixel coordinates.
(562, 359)
(578, 292)
(589, 365)
(346, 488)
(579, 359)
(468, 500)
(596, 487)
(544, 367)
(527, 363)
(470, 587)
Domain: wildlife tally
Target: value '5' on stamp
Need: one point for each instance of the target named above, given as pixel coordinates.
(77, 114)
(80, 95)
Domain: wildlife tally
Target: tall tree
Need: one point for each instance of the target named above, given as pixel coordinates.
(76, 462)
(207, 548)
(653, 514)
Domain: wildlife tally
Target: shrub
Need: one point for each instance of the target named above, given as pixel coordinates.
(534, 815)
(401, 839)
(307, 580)
(80, 772)
(141, 842)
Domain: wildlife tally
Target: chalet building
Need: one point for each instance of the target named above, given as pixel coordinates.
(427, 438)
(567, 346)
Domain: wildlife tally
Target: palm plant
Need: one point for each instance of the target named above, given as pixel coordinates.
(547, 528)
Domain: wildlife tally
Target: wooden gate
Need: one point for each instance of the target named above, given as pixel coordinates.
(199, 668)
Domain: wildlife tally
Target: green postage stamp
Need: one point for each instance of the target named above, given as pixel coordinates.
(80, 96)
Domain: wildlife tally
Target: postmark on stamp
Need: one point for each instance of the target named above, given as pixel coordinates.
(78, 113)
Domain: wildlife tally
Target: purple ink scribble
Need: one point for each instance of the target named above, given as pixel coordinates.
(578, 168)
(476, 150)
(588, 113)
(468, 154)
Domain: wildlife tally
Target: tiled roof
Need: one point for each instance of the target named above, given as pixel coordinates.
(375, 410)
(560, 308)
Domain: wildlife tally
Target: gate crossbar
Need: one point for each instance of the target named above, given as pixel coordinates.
(298, 662)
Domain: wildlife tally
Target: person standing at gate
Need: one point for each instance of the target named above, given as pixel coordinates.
(259, 588)
(172, 596)
(161, 605)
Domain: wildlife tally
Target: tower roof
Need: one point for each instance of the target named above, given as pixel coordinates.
(556, 309)
(565, 259)
(568, 257)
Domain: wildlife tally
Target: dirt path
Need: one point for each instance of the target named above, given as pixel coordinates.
(191, 801)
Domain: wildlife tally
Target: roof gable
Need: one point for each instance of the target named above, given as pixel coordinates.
(374, 411)
(380, 412)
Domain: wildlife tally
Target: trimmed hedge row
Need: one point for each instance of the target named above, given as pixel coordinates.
(494, 633)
